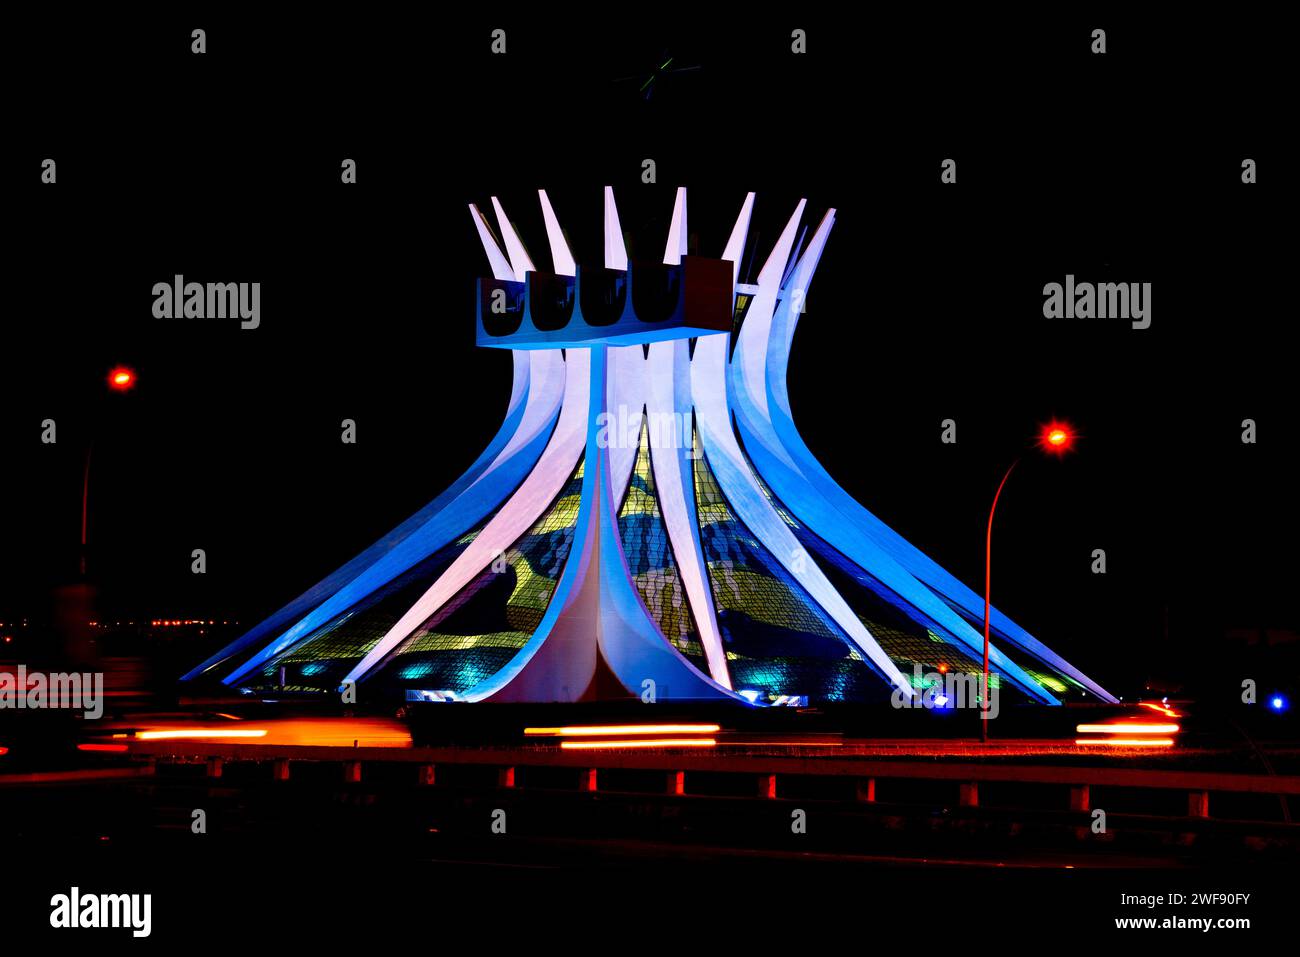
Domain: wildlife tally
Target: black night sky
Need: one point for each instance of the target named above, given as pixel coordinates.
(926, 306)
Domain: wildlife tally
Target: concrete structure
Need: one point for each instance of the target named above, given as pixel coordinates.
(647, 521)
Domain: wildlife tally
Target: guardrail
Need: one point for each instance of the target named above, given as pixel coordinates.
(767, 770)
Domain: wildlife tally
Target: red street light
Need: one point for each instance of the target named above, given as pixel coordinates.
(121, 379)
(1057, 438)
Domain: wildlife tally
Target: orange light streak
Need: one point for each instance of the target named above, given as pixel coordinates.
(639, 743)
(1129, 742)
(580, 731)
(186, 733)
(1127, 728)
(1167, 712)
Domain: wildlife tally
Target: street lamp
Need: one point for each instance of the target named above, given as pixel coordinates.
(1055, 438)
(120, 379)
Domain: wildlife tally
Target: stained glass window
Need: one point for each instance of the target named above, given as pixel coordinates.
(483, 627)
(320, 662)
(778, 641)
(649, 556)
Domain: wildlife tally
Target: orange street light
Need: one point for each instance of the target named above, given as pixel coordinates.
(121, 379)
(1056, 438)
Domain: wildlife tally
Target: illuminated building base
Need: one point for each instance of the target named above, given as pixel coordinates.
(647, 522)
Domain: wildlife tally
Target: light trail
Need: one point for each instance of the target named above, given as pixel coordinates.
(187, 733)
(1126, 728)
(586, 731)
(1128, 742)
(638, 743)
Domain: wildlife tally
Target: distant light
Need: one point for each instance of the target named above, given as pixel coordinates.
(121, 379)
(941, 701)
(1277, 703)
(749, 694)
(114, 748)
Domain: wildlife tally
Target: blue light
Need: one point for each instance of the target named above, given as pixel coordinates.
(749, 694)
(941, 701)
(1278, 703)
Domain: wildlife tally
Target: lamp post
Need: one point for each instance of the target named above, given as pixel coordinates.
(1056, 438)
(120, 379)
